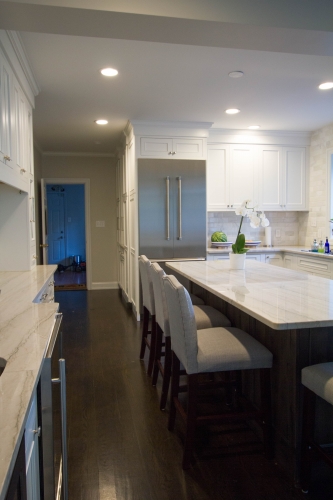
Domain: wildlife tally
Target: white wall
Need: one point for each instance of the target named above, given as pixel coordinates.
(102, 174)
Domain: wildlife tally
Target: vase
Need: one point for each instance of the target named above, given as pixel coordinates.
(237, 260)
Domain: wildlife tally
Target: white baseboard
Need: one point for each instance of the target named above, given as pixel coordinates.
(105, 285)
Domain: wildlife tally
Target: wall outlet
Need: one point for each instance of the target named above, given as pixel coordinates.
(100, 223)
(278, 233)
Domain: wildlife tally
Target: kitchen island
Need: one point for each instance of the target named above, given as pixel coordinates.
(291, 313)
(25, 329)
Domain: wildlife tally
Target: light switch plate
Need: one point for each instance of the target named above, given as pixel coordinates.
(278, 233)
(100, 223)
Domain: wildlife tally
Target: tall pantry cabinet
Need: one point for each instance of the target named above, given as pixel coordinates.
(17, 183)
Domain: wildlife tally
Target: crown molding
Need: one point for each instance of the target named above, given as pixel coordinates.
(18, 47)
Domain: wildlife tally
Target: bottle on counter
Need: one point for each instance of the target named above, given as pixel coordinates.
(327, 246)
(314, 246)
(321, 248)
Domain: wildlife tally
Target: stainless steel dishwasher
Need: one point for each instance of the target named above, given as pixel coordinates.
(52, 417)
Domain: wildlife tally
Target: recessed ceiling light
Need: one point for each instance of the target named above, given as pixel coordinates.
(326, 86)
(101, 122)
(232, 111)
(236, 74)
(109, 72)
(254, 127)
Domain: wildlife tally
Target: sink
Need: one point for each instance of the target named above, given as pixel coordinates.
(3, 363)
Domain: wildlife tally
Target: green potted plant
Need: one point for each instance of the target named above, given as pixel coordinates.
(238, 254)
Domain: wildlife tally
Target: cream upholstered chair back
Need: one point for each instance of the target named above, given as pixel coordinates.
(147, 284)
(183, 330)
(161, 309)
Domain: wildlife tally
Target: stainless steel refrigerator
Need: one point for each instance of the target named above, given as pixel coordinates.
(172, 209)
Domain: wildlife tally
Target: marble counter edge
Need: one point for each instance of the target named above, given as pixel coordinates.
(300, 250)
(17, 385)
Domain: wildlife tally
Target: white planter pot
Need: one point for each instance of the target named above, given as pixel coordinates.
(237, 260)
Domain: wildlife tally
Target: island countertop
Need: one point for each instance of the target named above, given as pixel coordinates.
(25, 329)
(280, 298)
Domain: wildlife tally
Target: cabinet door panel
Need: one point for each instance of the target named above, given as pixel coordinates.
(155, 147)
(295, 178)
(217, 177)
(5, 102)
(271, 176)
(187, 148)
(243, 175)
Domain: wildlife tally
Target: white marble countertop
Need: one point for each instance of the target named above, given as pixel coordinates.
(300, 250)
(25, 329)
(278, 297)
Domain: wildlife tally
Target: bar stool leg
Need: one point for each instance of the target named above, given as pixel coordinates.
(158, 351)
(192, 394)
(174, 390)
(144, 332)
(309, 411)
(167, 373)
(152, 346)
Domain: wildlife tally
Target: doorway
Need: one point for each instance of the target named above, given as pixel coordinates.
(66, 231)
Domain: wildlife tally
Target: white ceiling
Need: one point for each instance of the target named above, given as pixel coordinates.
(171, 81)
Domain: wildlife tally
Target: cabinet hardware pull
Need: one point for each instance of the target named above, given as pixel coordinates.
(23, 170)
(170, 153)
(168, 207)
(62, 381)
(35, 257)
(37, 431)
(179, 179)
(7, 158)
(44, 245)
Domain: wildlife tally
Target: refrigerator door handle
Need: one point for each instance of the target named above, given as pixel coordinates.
(168, 207)
(179, 179)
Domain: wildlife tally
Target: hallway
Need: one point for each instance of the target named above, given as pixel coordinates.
(119, 445)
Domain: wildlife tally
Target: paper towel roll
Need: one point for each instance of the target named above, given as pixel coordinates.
(268, 236)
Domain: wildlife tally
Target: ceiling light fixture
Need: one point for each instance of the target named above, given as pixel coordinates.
(236, 74)
(326, 86)
(109, 72)
(232, 111)
(254, 127)
(101, 122)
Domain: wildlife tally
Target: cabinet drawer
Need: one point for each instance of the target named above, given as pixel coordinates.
(316, 266)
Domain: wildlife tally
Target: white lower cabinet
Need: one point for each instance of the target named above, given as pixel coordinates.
(274, 259)
(32, 432)
(318, 266)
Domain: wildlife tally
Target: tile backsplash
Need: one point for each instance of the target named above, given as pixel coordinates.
(284, 222)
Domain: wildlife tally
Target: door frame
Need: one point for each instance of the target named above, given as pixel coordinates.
(86, 183)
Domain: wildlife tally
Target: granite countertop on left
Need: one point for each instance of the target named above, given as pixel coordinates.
(25, 329)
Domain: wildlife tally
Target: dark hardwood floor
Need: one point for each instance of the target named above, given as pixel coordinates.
(119, 445)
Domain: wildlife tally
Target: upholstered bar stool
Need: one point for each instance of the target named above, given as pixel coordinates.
(208, 351)
(148, 301)
(205, 317)
(148, 312)
(317, 381)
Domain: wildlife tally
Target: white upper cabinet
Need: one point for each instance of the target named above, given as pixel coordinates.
(272, 177)
(243, 175)
(283, 178)
(218, 177)
(172, 147)
(6, 112)
(295, 179)
(232, 176)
